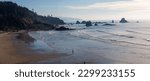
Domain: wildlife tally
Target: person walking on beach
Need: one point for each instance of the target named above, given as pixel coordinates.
(72, 51)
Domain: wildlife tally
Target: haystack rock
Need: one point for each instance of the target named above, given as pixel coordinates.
(123, 20)
(113, 21)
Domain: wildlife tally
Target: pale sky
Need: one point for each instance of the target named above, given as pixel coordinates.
(91, 9)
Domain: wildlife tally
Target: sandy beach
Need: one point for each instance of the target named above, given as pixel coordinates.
(14, 50)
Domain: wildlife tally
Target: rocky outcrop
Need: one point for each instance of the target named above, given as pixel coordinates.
(112, 21)
(123, 20)
(88, 23)
(62, 28)
(95, 24)
(137, 22)
(83, 22)
(78, 22)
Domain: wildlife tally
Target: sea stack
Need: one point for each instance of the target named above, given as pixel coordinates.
(88, 23)
(123, 20)
(96, 24)
(78, 22)
(112, 21)
(137, 22)
(83, 22)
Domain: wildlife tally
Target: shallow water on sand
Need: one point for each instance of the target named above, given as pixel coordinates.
(123, 43)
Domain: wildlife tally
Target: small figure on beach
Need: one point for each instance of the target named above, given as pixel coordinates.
(72, 51)
(84, 62)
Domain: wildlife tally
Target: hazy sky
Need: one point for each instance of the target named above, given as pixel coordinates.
(90, 9)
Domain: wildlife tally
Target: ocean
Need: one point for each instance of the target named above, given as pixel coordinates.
(127, 43)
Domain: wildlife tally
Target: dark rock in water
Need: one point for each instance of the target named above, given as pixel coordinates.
(113, 21)
(62, 28)
(83, 22)
(96, 24)
(78, 22)
(107, 24)
(123, 20)
(137, 22)
(88, 23)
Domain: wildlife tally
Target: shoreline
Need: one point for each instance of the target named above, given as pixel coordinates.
(14, 49)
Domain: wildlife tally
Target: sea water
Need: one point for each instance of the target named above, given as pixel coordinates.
(122, 43)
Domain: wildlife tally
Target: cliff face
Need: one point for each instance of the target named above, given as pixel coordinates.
(13, 16)
(49, 20)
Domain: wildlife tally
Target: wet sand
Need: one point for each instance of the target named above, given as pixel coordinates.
(14, 49)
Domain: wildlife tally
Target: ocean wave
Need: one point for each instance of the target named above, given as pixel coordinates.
(87, 35)
(127, 36)
(137, 32)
